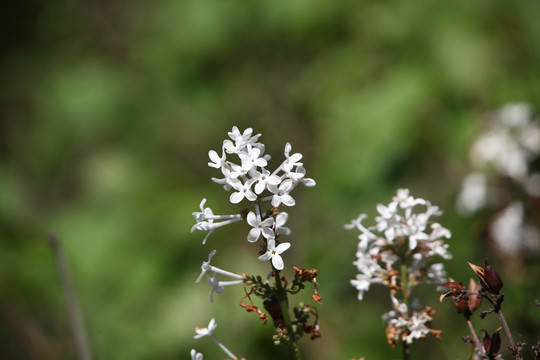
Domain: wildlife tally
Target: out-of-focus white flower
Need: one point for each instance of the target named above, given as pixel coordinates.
(219, 286)
(509, 145)
(361, 283)
(274, 252)
(511, 234)
(405, 222)
(532, 185)
(207, 331)
(472, 196)
(196, 355)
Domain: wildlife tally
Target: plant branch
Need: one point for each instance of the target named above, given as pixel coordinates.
(476, 340)
(283, 303)
(74, 311)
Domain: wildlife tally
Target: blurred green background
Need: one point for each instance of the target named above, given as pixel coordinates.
(109, 108)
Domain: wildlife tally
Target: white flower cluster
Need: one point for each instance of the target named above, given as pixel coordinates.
(402, 236)
(248, 179)
(251, 170)
(402, 327)
(507, 149)
(508, 146)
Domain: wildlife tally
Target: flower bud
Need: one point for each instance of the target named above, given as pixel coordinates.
(475, 300)
(489, 278)
(492, 344)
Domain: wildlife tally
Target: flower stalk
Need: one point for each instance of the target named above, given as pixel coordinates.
(284, 305)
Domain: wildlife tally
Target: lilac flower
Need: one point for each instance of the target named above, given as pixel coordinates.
(281, 193)
(404, 222)
(205, 220)
(206, 266)
(216, 161)
(196, 355)
(259, 227)
(250, 159)
(294, 159)
(243, 191)
(281, 220)
(264, 179)
(274, 253)
(207, 331)
(219, 286)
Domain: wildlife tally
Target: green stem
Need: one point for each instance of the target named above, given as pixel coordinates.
(404, 284)
(283, 303)
(405, 298)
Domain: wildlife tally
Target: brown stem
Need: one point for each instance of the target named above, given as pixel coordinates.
(75, 315)
(513, 346)
(476, 340)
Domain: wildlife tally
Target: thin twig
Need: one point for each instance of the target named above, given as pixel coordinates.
(476, 340)
(74, 310)
(513, 346)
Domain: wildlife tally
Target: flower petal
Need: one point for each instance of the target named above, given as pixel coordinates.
(282, 247)
(236, 197)
(277, 262)
(252, 219)
(260, 186)
(254, 234)
(265, 257)
(288, 200)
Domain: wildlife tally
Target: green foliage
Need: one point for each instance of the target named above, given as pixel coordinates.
(108, 110)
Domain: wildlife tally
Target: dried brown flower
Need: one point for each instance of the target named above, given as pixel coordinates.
(489, 278)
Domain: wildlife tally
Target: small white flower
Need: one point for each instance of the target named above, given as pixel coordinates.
(361, 283)
(473, 194)
(281, 193)
(281, 220)
(205, 214)
(436, 274)
(259, 227)
(196, 355)
(205, 220)
(250, 159)
(294, 159)
(215, 285)
(207, 331)
(206, 265)
(296, 175)
(264, 179)
(216, 161)
(243, 191)
(274, 253)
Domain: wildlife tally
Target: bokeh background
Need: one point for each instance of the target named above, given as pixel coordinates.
(109, 108)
